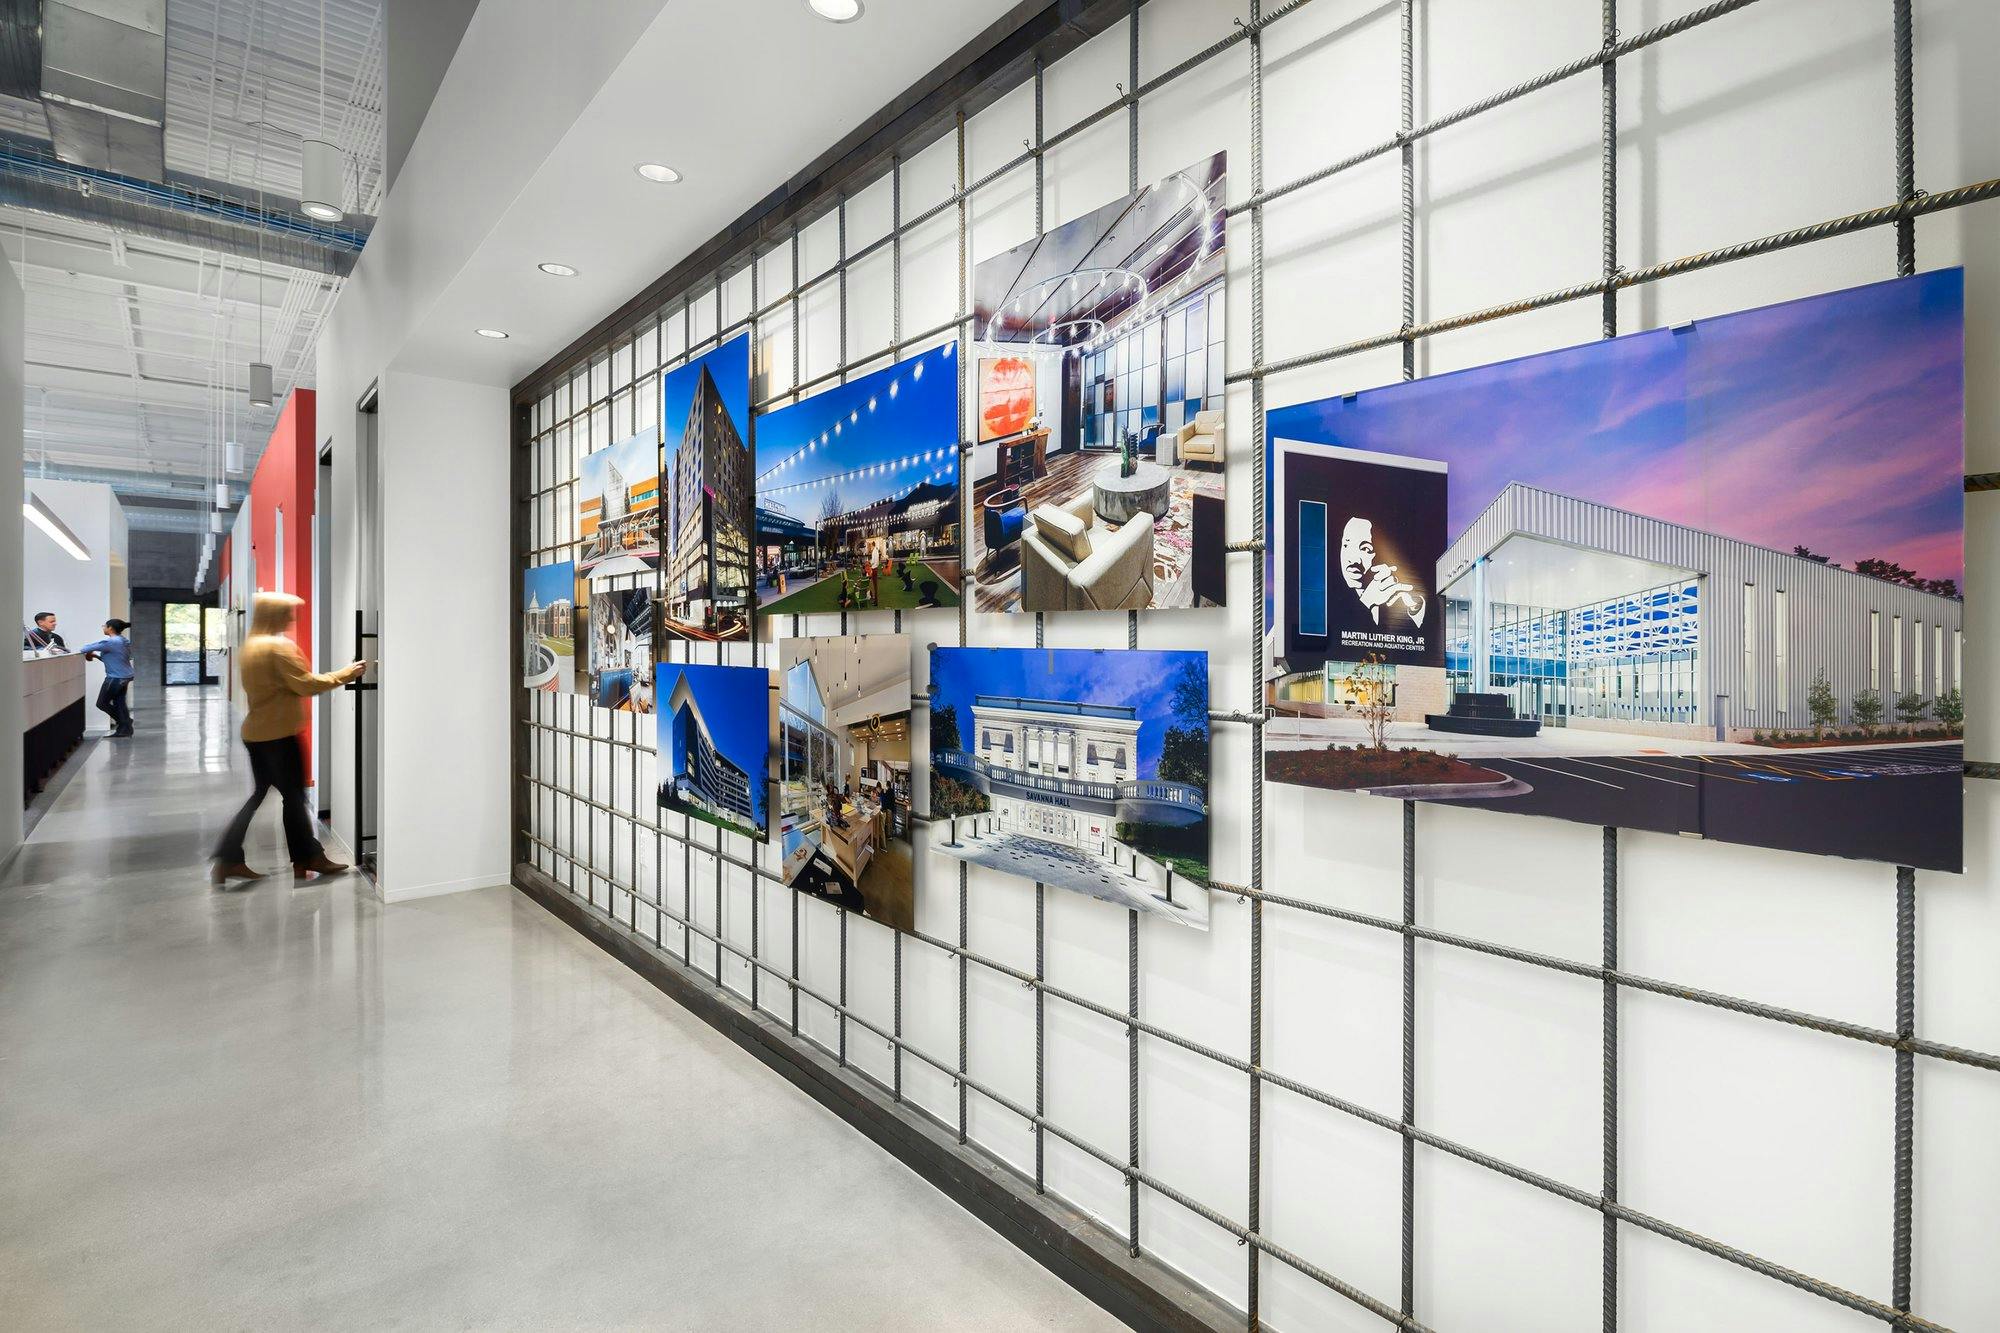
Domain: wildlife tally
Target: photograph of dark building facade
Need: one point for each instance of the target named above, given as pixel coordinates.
(1086, 769)
(1702, 580)
(714, 744)
(705, 408)
(1097, 483)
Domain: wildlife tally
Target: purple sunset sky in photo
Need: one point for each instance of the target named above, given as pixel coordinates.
(1835, 422)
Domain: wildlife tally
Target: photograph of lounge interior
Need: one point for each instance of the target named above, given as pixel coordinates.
(857, 493)
(844, 724)
(1097, 480)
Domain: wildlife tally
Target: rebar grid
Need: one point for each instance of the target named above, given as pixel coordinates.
(562, 415)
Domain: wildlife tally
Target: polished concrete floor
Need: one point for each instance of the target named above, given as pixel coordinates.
(292, 1107)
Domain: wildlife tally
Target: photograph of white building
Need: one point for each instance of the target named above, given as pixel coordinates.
(1080, 768)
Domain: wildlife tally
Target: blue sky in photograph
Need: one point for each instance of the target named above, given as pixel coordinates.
(636, 457)
(1141, 678)
(865, 440)
(547, 584)
(729, 364)
(735, 702)
(1835, 422)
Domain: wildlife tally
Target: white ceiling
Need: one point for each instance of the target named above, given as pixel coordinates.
(736, 96)
(137, 347)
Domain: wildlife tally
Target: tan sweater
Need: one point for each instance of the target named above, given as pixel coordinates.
(275, 679)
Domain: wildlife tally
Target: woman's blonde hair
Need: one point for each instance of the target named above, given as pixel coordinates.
(273, 612)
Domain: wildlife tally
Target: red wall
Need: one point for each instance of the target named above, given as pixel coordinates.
(284, 482)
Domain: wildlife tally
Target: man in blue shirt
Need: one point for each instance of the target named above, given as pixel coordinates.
(115, 651)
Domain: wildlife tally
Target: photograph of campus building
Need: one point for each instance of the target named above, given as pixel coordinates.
(618, 508)
(714, 745)
(844, 773)
(619, 630)
(1086, 769)
(1097, 480)
(548, 627)
(706, 425)
(1703, 580)
(857, 493)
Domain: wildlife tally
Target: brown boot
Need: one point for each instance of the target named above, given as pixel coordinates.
(221, 873)
(319, 865)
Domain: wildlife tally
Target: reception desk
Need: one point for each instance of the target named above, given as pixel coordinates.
(51, 715)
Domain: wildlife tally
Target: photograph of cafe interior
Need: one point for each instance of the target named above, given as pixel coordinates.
(1098, 389)
(844, 724)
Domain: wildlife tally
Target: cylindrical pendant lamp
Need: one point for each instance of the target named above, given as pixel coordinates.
(322, 174)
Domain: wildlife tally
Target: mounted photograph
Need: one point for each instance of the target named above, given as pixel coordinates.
(1087, 769)
(618, 508)
(548, 627)
(619, 631)
(707, 433)
(1097, 480)
(844, 773)
(714, 745)
(1704, 580)
(857, 493)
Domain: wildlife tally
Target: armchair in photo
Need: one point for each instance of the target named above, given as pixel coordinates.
(1070, 562)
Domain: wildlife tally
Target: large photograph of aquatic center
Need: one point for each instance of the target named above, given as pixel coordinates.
(1087, 769)
(1705, 580)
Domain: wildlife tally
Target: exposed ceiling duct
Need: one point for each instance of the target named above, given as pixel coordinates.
(104, 84)
(31, 179)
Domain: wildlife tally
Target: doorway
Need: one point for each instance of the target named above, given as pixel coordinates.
(366, 643)
(190, 637)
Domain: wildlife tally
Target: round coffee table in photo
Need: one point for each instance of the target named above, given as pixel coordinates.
(1121, 499)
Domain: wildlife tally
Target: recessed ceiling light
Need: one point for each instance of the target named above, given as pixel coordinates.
(557, 270)
(490, 333)
(836, 11)
(658, 171)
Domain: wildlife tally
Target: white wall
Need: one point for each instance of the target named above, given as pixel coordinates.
(1764, 1136)
(12, 555)
(82, 593)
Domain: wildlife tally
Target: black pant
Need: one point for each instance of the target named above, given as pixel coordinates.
(111, 702)
(279, 764)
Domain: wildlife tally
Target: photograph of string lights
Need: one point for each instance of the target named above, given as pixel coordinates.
(857, 493)
(1097, 482)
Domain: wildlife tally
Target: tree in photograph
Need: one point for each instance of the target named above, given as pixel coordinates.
(1910, 707)
(1821, 704)
(1891, 572)
(1184, 748)
(1949, 708)
(1372, 684)
(944, 729)
(1866, 710)
(1807, 553)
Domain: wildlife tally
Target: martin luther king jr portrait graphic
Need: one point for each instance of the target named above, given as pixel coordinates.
(1360, 536)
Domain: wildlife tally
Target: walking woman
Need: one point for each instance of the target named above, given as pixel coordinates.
(115, 651)
(276, 680)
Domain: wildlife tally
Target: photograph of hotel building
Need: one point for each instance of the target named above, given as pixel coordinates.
(1086, 769)
(1704, 580)
(714, 745)
(844, 773)
(618, 508)
(857, 493)
(1097, 483)
(619, 629)
(548, 627)
(705, 408)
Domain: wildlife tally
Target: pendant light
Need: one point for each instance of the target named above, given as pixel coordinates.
(260, 369)
(322, 170)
